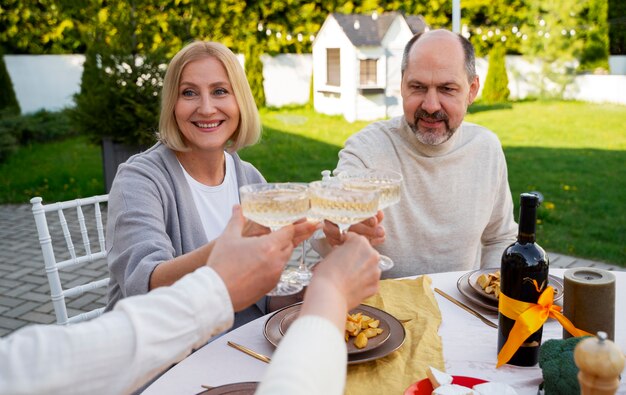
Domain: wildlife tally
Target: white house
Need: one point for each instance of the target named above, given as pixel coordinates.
(356, 64)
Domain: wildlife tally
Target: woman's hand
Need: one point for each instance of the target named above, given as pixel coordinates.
(304, 229)
(352, 269)
(345, 277)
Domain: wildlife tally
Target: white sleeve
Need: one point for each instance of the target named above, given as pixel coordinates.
(120, 350)
(310, 359)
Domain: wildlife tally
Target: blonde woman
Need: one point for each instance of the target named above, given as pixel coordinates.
(167, 204)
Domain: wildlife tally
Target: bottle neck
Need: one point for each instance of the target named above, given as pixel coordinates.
(527, 224)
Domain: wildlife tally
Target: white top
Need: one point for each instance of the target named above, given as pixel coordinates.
(122, 349)
(215, 203)
(455, 211)
(312, 359)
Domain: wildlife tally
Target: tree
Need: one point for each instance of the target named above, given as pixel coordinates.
(254, 72)
(496, 87)
(494, 22)
(555, 40)
(41, 26)
(617, 26)
(8, 101)
(122, 78)
(595, 34)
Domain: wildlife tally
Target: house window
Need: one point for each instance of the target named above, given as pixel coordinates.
(333, 74)
(368, 72)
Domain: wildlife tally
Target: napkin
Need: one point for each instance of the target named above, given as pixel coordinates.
(404, 299)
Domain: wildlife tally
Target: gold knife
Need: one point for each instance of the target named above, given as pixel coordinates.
(466, 308)
(250, 352)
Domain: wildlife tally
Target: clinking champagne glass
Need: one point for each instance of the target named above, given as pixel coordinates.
(388, 182)
(276, 205)
(303, 274)
(334, 202)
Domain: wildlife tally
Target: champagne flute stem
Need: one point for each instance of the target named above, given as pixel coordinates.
(302, 267)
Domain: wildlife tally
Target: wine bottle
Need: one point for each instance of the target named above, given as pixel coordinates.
(523, 276)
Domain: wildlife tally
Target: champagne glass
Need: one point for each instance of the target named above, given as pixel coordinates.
(303, 274)
(276, 205)
(344, 207)
(388, 182)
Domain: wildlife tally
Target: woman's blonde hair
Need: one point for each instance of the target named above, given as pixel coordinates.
(249, 129)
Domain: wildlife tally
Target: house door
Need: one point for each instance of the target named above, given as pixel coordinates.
(393, 99)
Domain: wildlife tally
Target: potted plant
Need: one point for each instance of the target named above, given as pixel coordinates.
(118, 105)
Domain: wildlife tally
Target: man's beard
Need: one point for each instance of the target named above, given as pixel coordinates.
(430, 136)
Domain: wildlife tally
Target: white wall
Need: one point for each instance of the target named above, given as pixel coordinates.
(598, 89)
(394, 41)
(617, 64)
(45, 81)
(369, 107)
(592, 88)
(334, 99)
(287, 78)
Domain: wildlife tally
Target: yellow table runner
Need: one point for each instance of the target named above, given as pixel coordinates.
(404, 299)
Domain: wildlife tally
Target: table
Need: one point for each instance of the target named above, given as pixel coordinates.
(469, 348)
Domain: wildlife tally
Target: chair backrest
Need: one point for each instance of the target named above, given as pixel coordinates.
(70, 257)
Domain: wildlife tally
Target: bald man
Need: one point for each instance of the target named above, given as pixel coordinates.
(456, 210)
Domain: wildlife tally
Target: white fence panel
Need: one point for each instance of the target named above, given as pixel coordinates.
(45, 81)
(287, 78)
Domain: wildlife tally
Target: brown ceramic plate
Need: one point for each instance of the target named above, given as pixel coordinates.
(477, 298)
(469, 288)
(372, 343)
(246, 388)
(395, 340)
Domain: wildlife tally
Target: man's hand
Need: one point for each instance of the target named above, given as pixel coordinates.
(250, 266)
(370, 228)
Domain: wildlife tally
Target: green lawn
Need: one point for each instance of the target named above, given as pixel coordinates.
(574, 153)
(59, 170)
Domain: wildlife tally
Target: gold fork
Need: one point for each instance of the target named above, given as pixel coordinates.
(466, 308)
(250, 352)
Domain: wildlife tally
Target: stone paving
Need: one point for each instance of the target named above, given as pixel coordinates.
(24, 290)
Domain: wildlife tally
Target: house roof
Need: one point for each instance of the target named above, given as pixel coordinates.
(416, 23)
(363, 30)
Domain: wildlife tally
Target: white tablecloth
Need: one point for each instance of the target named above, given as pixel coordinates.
(469, 348)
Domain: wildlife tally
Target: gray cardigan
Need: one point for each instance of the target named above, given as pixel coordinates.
(152, 218)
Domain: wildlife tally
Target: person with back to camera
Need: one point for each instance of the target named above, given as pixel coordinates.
(456, 210)
(123, 349)
(167, 204)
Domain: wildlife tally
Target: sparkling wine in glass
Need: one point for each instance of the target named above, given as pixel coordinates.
(387, 182)
(334, 202)
(276, 205)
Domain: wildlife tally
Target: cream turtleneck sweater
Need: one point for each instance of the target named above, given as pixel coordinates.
(456, 211)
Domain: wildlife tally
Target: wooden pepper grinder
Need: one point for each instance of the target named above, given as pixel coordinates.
(600, 362)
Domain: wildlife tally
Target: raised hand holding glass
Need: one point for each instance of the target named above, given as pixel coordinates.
(276, 205)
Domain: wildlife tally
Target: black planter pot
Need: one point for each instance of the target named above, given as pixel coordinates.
(114, 154)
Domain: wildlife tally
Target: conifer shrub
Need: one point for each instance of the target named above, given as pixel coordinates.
(119, 97)
(8, 100)
(254, 73)
(496, 88)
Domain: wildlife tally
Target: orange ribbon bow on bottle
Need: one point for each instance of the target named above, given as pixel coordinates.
(529, 317)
